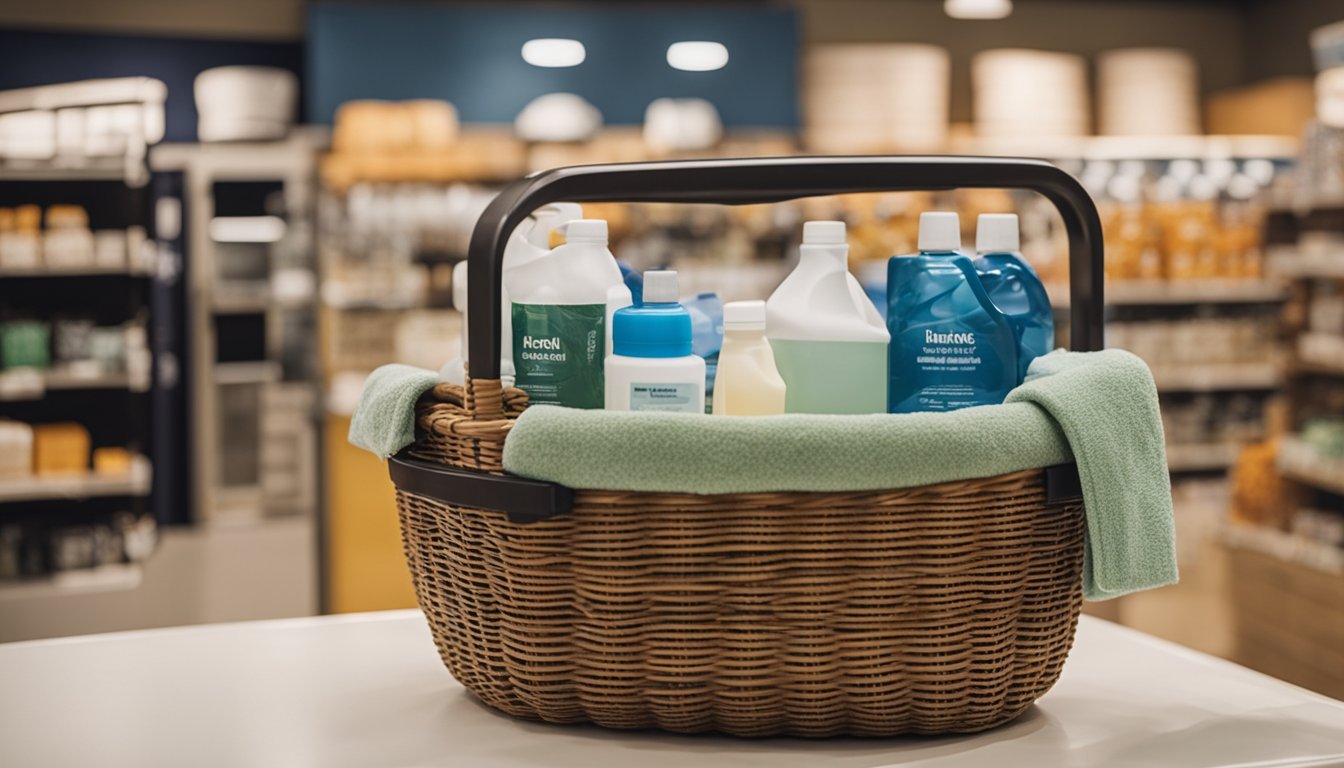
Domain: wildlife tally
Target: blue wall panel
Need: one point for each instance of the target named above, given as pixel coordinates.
(471, 56)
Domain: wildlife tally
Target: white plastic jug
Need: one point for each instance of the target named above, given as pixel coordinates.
(748, 382)
(530, 241)
(829, 341)
(562, 303)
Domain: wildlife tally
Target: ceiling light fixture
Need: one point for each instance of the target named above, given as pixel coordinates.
(697, 56)
(554, 52)
(978, 9)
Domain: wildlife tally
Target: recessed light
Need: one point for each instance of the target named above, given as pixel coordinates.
(554, 52)
(978, 9)
(697, 56)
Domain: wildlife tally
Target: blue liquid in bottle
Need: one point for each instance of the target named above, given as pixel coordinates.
(950, 346)
(1013, 287)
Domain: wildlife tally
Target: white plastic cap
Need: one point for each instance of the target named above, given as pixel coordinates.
(660, 286)
(744, 316)
(939, 231)
(586, 231)
(996, 233)
(824, 233)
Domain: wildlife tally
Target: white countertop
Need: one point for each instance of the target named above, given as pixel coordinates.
(369, 690)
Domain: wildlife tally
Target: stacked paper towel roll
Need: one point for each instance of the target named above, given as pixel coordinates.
(1027, 93)
(238, 103)
(682, 124)
(1147, 92)
(876, 97)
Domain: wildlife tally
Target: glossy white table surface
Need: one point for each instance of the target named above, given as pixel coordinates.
(369, 690)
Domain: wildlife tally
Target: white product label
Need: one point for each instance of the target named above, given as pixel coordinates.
(679, 398)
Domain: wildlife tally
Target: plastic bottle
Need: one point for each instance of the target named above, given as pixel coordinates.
(706, 311)
(529, 242)
(455, 370)
(1014, 287)
(950, 346)
(829, 341)
(562, 304)
(652, 367)
(748, 383)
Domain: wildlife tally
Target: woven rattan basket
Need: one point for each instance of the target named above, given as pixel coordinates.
(934, 609)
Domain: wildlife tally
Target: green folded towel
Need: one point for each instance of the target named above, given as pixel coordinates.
(1106, 403)
(1097, 408)
(691, 453)
(384, 420)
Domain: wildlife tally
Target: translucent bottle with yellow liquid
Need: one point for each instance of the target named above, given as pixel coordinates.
(747, 383)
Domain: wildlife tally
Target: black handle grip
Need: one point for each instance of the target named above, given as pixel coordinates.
(772, 180)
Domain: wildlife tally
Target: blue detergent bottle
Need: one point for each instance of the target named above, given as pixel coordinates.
(950, 346)
(1014, 288)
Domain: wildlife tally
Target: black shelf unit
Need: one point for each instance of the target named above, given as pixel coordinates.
(117, 410)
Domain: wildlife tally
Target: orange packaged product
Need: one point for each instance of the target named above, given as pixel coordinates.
(111, 461)
(61, 448)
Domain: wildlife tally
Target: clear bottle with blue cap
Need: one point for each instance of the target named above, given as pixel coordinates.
(652, 367)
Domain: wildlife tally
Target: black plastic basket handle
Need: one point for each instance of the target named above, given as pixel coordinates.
(735, 182)
(772, 180)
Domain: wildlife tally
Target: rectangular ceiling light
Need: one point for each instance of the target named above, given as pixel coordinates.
(978, 9)
(554, 52)
(697, 56)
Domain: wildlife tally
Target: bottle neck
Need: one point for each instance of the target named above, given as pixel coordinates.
(744, 336)
(940, 254)
(824, 256)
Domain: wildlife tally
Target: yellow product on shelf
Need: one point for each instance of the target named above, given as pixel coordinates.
(1260, 495)
(1132, 248)
(366, 568)
(433, 123)
(60, 449)
(67, 217)
(360, 127)
(27, 218)
(20, 239)
(112, 461)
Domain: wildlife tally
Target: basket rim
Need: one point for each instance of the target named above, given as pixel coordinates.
(525, 500)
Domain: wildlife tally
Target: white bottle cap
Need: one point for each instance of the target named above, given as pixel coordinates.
(744, 316)
(586, 231)
(660, 286)
(939, 231)
(824, 233)
(996, 233)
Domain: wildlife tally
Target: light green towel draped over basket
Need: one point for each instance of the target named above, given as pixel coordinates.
(1096, 408)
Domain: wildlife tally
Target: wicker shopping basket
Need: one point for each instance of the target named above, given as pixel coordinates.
(935, 609)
